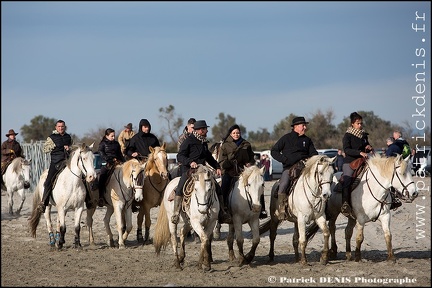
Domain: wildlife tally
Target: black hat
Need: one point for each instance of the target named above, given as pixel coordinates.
(232, 128)
(298, 120)
(129, 125)
(200, 124)
(11, 131)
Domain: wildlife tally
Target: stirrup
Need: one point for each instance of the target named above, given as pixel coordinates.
(263, 215)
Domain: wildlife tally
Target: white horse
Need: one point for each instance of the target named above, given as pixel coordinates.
(371, 201)
(200, 210)
(124, 186)
(305, 203)
(69, 192)
(245, 207)
(17, 179)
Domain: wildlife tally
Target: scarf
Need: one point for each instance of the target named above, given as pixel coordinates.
(356, 132)
(199, 137)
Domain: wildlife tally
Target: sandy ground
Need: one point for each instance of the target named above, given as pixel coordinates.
(28, 261)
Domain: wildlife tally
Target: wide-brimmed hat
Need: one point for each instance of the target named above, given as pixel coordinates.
(11, 131)
(129, 126)
(298, 120)
(200, 124)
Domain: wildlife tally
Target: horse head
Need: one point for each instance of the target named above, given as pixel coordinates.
(319, 167)
(81, 162)
(204, 187)
(133, 176)
(158, 161)
(25, 164)
(402, 179)
(252, 179)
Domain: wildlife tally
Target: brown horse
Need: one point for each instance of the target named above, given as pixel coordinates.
(156, 179)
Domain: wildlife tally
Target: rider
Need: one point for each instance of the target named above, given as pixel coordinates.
(10, 149)
(289, 150)
(110, 151)
(235, 152)
(58, 145)
(124, 138)
(193, 151)
(139, 144)
(355, 145)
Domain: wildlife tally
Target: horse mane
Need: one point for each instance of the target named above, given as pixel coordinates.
(16, 165)
(128, 166)
(248, 171)
(386, 164)
(310, 164)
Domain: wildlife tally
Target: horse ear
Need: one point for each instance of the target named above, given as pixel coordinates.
(91, 146)
(333, 160)
(407, 158)
(151, 149)
(263, 170)
(163, 146)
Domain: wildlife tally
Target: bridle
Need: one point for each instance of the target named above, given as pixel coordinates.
(319, 205)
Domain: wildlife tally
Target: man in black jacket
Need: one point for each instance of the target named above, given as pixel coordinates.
(139, 144)
(58, 145)
(290, 149)
(194, 151)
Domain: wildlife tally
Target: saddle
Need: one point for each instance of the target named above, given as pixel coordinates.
(358, 166)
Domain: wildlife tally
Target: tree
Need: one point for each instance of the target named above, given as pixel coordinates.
(39, 129)
(321, 130)
(173, 124)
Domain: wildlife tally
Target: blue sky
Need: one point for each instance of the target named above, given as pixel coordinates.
(104, 64)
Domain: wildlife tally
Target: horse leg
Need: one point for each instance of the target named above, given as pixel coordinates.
(52, 238)
(10, 200)
(204, 255)
(217, 232)
(321, 221)
(128, 219)
(107, 217)
(230, 241)
(296, 242)
(147, 224)
(359, 241)
(61, 227)
(21, 192)
(273, 232)
(173, 231)
(348, 235)
(140, 218)
(120, 223)
(183, 232)
(89, 223)
(385, 224)
(255, 240)
(302, 239)
(77, 240)
(333, 249)
(240, 242)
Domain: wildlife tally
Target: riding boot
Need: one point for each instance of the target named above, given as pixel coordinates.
(280, 212)
(346, 207)
(224, 217)
(177, 206)
(263, 213)
(102, 190)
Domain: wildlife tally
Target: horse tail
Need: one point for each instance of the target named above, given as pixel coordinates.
(162, 234)
(311, 231)
(34, 219)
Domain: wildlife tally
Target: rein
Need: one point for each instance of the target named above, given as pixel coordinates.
(320, 203)
(83, 173)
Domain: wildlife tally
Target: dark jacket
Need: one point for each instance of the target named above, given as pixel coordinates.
(392, 150)
(353, 145)
(6, 148)
(233, 157)
(291, 148)
(110, 150)
(141, 141)
(194, 150)
(58, 153)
